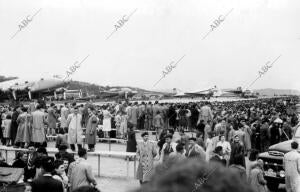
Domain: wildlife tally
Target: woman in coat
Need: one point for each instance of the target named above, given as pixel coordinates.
(91, 131)
(14, 124)
(24, 129)
(146, 153)
(256, 178)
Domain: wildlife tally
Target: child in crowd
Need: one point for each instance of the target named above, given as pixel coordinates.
(6, 124)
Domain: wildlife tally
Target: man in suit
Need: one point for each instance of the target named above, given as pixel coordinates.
(46, 183)
(237, 149)
(80, 172)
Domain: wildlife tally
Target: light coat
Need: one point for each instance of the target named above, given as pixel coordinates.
(291, 163)
(24, 128)
(145, 152)
(75, 129)
(38, 126)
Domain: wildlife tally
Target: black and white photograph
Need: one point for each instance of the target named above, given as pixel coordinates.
(149, 96)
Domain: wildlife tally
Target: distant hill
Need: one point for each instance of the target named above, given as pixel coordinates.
(271, 92)
(94, 88)
(85, 87)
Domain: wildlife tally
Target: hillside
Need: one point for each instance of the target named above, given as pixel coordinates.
(94, 89)
(271, 92)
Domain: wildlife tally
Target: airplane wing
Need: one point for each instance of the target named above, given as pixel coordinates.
(203, 92)
(16, 84)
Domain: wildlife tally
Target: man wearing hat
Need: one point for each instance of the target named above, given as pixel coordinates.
(195, 150)
(146, 153)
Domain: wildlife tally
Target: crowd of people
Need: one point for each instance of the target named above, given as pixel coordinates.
(222, 132)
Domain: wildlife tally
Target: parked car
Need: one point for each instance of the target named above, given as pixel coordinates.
(274, 171)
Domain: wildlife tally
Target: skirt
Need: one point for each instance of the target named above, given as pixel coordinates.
(106, 125)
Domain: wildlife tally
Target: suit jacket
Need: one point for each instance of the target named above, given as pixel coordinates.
(196, 151)
(80, 174)
(46, 183)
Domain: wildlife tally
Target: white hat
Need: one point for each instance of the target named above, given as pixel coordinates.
(278, 120)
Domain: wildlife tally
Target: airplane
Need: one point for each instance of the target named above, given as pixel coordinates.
(123, 92)
(18, 88)
(205, 93)
(238, 92)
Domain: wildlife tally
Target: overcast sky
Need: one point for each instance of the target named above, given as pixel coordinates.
(157, 33)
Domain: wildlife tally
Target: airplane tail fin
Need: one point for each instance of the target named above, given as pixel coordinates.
(178, 92)
(175, 91)
(218, 92)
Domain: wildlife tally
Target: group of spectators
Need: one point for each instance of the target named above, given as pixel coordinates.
(229, 135)
(223, 132)
(60, 173)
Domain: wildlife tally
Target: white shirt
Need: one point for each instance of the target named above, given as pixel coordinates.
(225, 146)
